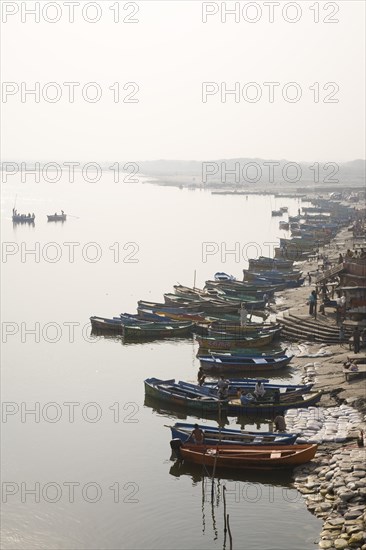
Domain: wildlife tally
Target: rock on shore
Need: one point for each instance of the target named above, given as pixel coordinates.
(334, 486)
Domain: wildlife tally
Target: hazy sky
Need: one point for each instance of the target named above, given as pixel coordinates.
(169, 53)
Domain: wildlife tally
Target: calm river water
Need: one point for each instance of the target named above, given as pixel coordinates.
(85, 462)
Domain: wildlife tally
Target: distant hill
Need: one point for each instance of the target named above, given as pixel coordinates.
(253, 172)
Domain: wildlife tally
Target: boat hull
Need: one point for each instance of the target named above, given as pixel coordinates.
(222, 364)
(263, 408)
(255, 458)
(57, 218)
(233, 437)
(167, 391)
(139, 332)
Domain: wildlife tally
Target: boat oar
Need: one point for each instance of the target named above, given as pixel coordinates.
(71, 216)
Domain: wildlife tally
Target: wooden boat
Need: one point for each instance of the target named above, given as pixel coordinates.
(239, 384)
(23, 218)
(227, 342)
(103, 323)
(263, 279)
(258, 458)
(157, 330)
(261, 407)
(221, 276)
(249, 329)
(236, 328)
(186, 306)
(221, 295)
(132, 318)
(286, 393)
(56, 217)
(277, 213)
(224, 436)
(241, 286)
(284, 225)
(159, 316)
(284, 208)
(207, 306)
(247, 352)
(273, 275)
(220, 364)
(175, 395)
(115, 324)
(263, 262)
(234, 292)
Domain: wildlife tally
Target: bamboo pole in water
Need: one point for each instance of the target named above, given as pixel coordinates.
(229, 530)
(225, 522)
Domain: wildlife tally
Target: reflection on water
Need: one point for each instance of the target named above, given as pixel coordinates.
(283, 478)
(117, 336)
(223, 493)
(201, 412)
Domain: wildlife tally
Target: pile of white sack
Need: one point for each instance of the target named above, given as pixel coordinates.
(323, 351)
(322, 425)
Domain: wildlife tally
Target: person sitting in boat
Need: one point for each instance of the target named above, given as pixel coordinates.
(223, 386)
(201, 376)
(276, 396)
(62, 212)
(280, 423)
(197, 435)
(246, 398)
(243, 315)
(259, 390)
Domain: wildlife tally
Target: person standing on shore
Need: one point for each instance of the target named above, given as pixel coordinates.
(356, 340)
(315, 302)
(312, 303)
(309, 278)
(243, 315)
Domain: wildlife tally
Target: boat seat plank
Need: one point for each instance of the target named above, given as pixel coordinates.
(276, 454)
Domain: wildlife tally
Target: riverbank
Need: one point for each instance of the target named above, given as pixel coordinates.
(333, 484)
(329, 358)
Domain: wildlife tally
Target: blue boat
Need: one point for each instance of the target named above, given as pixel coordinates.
(272, 407)
(221, 276)
(176, 395)
(225, 436)
(223, 363)
(238, 384)
(235, 387)
(115, 324)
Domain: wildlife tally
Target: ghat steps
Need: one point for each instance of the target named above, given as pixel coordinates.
(316, 330)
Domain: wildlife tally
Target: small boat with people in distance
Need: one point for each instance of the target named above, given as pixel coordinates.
(22, 218)
(57, 217)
